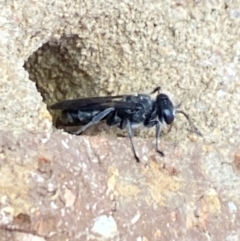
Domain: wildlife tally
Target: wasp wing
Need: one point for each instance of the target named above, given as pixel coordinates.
(86, 103)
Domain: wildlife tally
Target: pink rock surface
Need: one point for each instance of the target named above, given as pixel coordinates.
(89, 188)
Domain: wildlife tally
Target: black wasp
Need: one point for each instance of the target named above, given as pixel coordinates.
(124, 111)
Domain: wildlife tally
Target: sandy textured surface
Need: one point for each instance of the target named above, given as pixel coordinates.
(55, 50)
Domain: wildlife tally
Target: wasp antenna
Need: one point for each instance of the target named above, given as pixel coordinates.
(177, 106)
(194, 129)
(157, 89)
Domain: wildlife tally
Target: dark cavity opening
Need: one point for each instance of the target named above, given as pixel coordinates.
(61, 72)
(67, 68)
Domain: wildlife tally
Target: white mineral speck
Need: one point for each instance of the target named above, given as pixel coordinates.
(232, 207)
(135, 218)
(63, 212)
(145, 158)
(105, 226)
(232, 236)
(235, 13)
(45, 139)
(221, 93)
(53, 205)
(65, 144)
(145, 149)
(51, 187)
(37, 177)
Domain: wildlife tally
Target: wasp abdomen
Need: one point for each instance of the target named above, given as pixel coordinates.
(78, 117)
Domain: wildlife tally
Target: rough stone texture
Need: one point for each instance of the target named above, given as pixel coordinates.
(56, 186)
(61, 186)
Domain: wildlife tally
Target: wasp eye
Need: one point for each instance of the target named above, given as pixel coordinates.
(168, 116)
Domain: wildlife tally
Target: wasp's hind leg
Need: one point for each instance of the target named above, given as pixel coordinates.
(130, 135)
(96, 119)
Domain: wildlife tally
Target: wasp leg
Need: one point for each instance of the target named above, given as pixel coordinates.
(95, 120)
(158, 130)
(129, 129)
(156, 123)
(113, 119)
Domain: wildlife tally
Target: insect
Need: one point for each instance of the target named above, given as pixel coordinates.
(124, 111)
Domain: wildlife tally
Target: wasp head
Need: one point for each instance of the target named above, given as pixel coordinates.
(165, 109)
